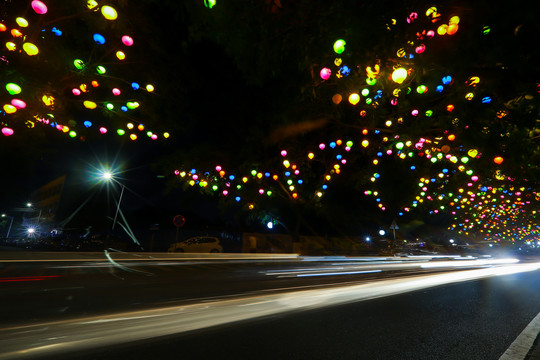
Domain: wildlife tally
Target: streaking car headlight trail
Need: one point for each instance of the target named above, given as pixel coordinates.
(98, 331)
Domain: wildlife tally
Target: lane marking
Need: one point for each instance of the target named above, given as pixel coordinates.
(519, 349)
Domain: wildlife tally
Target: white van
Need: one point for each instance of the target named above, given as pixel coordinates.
(199, 244)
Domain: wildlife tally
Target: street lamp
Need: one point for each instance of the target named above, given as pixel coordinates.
(108, 176)
(11, 223)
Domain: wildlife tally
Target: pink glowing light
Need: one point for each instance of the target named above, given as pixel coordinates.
(7, 131)
(127, 40)
(39, 7)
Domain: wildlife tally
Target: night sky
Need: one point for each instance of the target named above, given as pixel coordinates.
(228, 97)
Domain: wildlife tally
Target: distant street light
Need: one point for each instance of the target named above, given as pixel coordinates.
(382, 232)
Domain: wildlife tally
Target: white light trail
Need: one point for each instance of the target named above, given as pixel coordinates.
(78, 335)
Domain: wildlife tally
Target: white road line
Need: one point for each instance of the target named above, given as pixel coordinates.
(519, 349)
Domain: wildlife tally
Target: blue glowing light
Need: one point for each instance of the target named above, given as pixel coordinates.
(439, 88)
(333, 144)
(87, 123)
(325, 187)
(345, 70)
(124, 108)
(447, 80)
(99, 39)
(135, 86)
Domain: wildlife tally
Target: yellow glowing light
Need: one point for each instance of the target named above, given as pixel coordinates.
(11, 46)
(48, 100)
(30, 49)
(311, 155)
(286, 163)
(109, 12)
(354, 98)
(89, 104)
(442, 30)
(133, 137)
(130, 126)
(365, 143)
(166, 135)
(336, 99)
(399, 75)
(91, 4)
(22, 22)
(388, 123)
(150, 88)
(9, 109)
(120, 55)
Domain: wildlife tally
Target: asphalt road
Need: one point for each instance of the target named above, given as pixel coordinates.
(472, 320)
(104, 307)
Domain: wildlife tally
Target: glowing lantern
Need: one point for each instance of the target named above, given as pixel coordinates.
(89, 104)
(109, 12)
(7, 131)
(210, 4)
(116, 91)
(9, 109)
(133, 137)
(354, 98)
(127, 40)
(39, 7)
(339, 46)
(16, 33)
(120, 55)
(399, 75)
(498, 160)
(19, 104)
(99, 39)
(79, 64)
(441, 30)
(22, 22)
(421, 89)
(48, 100)
(13, 89)
(452, 29)
(132, 105)
(420, 48)
(472, 153)
(325, 73)
(336, 99)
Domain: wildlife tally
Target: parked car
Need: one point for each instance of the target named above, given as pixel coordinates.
(199, 244)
